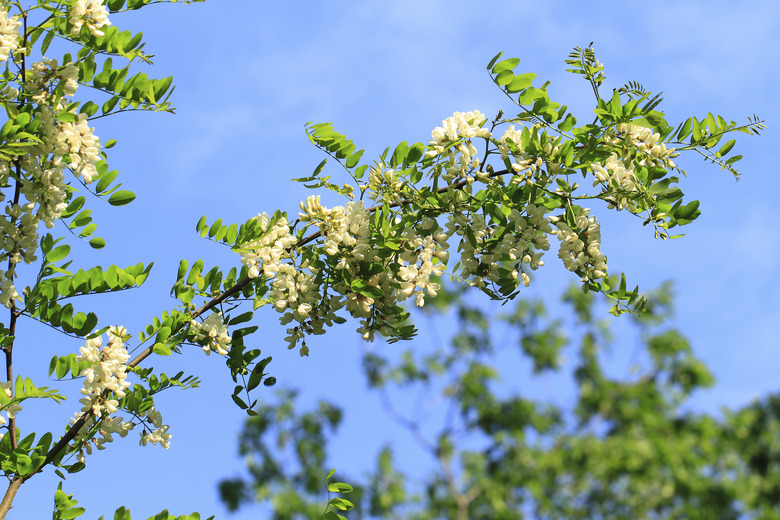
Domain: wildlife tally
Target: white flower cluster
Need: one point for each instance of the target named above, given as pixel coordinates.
(347, 271)
(522, 244)
(45, 75)
(295, 293)
(9, 34)
(385, 183)
(41, 175)
(654, 152)
(346, 226)
(520, 161)
(91, 13)
(7, 289)
(18, 228)
(212, 333)
(616, 175)
(46, 188)
(267, 252)
(160, 433)
(462, 126)
(10, 409)
(107, 372)
(423, 249)
(78, 146)
(581, 247)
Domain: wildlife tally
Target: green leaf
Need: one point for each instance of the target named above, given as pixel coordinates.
(520, 82)
(105, 181)
(97, 243)
(120, 198)
(353, 159)
(339, 487)
(507, 64)
(72, 513)
(58, 253)
(109, 105)
(494, 60)
(726, 148)
(399, 154)
(122, 513)
(162, 349)
(24, 465)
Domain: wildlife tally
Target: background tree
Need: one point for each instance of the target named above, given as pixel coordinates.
(625, 446)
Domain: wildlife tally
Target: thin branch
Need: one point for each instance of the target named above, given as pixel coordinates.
(242, 283)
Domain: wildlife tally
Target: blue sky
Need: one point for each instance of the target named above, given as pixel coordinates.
(250, 74)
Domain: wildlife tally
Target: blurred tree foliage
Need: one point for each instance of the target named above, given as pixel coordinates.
(624, 446)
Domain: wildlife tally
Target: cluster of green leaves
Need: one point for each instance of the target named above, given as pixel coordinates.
(24, 459)
(17, 133)
(168, 331)
(56, 283)
(549, 137)
(65, 509)
(662, 202)
(337, 503)
(551, 127)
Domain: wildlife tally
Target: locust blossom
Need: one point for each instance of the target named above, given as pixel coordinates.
(77, 146)
(386, 183)
(212, 334)
(158, 435)
(105, 381)
(11, 409)
(652, 150)
(452, 140)
(9, 34)
(267, 251)
(69, 74)
(462, 125)
(510, 145)
(7, 289)
(580, 247)
(90, 13)
(342, 226)
(519, 244)
(616, 176)
(420, 250)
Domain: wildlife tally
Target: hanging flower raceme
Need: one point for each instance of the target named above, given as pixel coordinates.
(212, 334)
(581, 246)
(11, 409)
(77, 146)
(90, 13)
(342, 226)
(620, 182)
(105, 381)
(418, 256)
(9, 34)
(158, 435)
(461, 158)
(266, 252)
(519, 160)
(652, 151)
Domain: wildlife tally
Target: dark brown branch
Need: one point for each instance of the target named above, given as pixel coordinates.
(13, 486)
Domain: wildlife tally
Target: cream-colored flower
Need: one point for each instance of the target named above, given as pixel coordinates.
(9, 34)
(91, 13)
